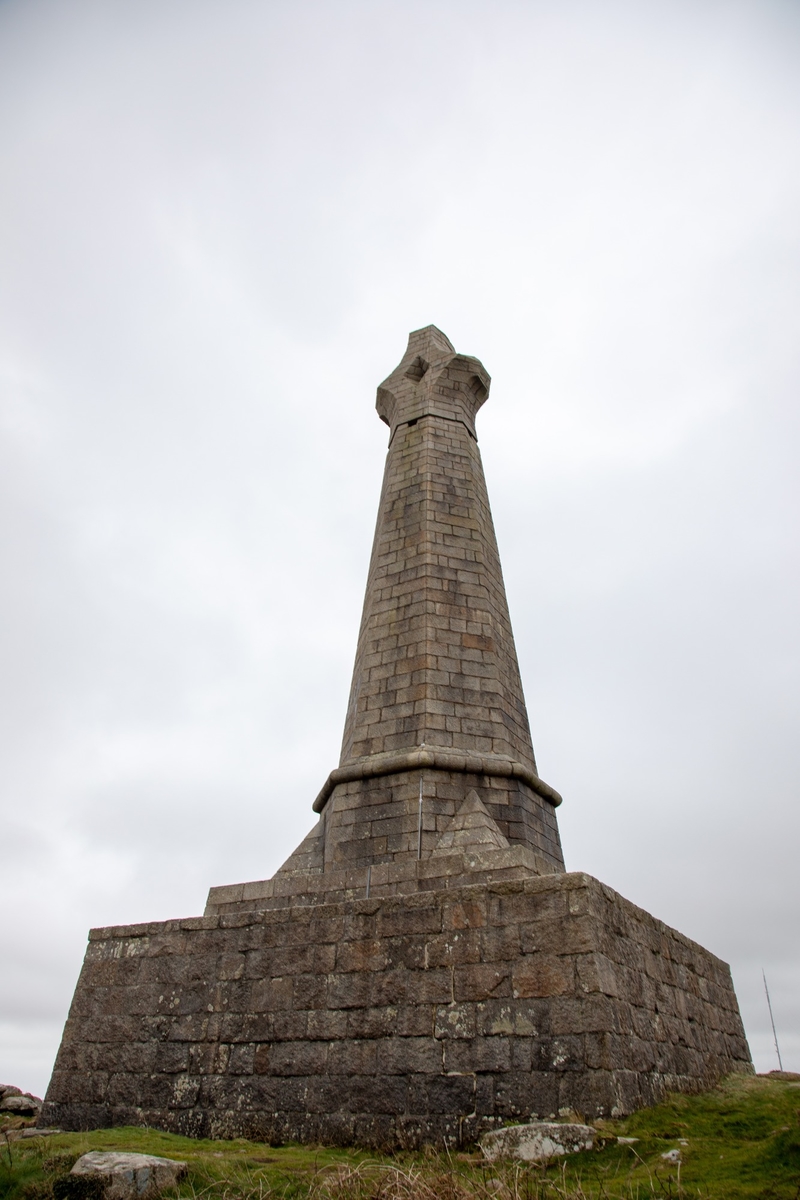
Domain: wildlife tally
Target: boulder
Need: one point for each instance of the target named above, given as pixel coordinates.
(537, 1141)
(19, 1105)
(129, 1176)
(7, 1090)
(15, 1135)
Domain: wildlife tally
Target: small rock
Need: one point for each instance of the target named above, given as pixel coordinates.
(623, 1141)
(537, 1141)
(672, 1156)
(20, 1105)
(130, 1176)
(14, 1135)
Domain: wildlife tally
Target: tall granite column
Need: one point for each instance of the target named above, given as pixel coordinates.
(422, 968)
(436, 708)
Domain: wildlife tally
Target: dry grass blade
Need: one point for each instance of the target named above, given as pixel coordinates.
(375, 1181)
(444, 1181)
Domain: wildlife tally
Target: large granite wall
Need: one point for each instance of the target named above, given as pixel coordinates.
(393, 1021)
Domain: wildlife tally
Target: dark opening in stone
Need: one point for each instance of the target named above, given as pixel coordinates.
(417, 369)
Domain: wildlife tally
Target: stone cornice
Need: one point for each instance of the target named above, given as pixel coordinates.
(436, 759)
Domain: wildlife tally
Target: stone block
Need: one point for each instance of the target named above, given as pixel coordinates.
(408, 1056)
(415, 1021)
(526, 1094)
(455, 1021)
(477, 1054)
(402, 987)
(365, 955)
(376, 1094)
(511, 1016)
(290, 1026)
(248, 1027)
(352, 1057)
(272, 995)
(454, 948)
(500, 944)
(298, 1057)
(350, 990)
(322, 1094)
(403, 920)
(543, 975)
(442, 1094)
(482, 981)
(310, 991)
(537, 1142)
(126, 1176)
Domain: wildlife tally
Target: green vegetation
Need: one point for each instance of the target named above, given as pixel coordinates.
(738, 1142)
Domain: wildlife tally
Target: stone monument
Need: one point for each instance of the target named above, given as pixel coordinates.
(421, 969)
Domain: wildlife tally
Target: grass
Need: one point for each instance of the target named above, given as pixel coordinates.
(738, 1142)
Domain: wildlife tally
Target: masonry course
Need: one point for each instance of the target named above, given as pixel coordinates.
(421, 969)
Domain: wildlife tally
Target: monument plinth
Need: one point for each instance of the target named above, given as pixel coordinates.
(421, 969)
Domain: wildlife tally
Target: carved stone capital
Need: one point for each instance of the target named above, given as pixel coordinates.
(433, 380)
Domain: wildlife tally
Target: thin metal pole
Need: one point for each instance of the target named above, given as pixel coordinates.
(772, 1019)
(419, 820)
(369, 877)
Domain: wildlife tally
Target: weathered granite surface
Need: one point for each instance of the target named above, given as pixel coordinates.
(537, 1142)
(22, 1104)
(129, 1176)
(393, 1021)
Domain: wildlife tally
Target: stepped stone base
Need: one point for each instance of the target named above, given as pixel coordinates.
(448, 870)
(396, 1020)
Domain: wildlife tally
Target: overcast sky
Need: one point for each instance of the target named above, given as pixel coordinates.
(219, 220)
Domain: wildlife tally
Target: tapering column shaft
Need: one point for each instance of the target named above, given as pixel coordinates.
(436, 663)
(436, 668)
